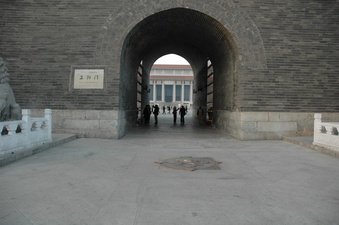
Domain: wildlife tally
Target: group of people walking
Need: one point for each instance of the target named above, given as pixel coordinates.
(169, 108)
(147, 112)
(182, 113)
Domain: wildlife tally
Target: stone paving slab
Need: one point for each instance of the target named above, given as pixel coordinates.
(116, 182)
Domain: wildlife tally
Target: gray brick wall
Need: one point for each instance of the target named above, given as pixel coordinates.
(301, 40)
(296, 40)
(41, 40)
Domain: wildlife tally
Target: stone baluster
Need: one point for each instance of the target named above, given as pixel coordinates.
(33, 126)
(337, 129)
(48, 123)
(38, 125)
(22, 127)
(26, 117)
(329, 129)
(11, 128)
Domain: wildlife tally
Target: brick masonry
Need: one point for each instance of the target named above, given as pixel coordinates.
(284, 54)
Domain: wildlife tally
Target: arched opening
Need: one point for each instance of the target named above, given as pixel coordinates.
(201, 40)
(171, 83)
(171, 59)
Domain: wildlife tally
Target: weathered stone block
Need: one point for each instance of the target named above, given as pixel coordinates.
(108, 124)
(81, 124)
(274, 116)
(254, 116)
(62, 113)
(78, 114)
(303, 117)
(249, 126)
(93, 114)
(109, 115)
(276, 126)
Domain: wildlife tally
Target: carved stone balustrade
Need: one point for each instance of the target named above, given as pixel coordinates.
(326, 133)
(28, 133)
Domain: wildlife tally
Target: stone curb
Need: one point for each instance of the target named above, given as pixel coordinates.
(9, 158)
(313, 147)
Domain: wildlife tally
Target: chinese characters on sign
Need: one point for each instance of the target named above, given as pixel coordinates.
(89, 78)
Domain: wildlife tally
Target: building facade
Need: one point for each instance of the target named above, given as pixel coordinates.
(171, 85)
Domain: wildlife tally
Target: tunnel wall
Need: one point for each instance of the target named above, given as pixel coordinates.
(285, 60)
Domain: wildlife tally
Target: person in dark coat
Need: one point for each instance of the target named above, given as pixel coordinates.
(182, 113)
(174, 112)
(156, 113)
(147, 113)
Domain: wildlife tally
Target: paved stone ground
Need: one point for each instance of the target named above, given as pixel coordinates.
(100, 181)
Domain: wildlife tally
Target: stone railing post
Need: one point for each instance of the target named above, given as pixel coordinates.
(26, 116)
(317, 121)
(317, 128)
(48, 117)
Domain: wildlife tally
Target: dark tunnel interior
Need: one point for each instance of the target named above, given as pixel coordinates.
(191, 34)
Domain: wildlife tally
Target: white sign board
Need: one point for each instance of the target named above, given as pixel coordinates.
(89, 78)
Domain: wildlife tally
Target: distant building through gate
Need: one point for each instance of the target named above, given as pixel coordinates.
(171, 85)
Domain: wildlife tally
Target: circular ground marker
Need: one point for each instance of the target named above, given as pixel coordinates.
(190, 163)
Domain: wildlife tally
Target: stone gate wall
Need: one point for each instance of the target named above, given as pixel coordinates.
(43, 40)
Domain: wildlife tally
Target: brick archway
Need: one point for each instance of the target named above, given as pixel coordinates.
(222, 33)
(235, 20)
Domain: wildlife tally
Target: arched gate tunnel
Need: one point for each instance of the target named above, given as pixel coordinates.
(191, 34)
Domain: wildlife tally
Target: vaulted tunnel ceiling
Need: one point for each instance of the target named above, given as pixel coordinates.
(191, 34)
(179, 27)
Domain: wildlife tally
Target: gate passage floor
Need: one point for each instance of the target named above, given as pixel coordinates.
(98, 181)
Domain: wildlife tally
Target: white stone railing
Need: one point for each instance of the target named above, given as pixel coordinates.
(326, 133)
(20, 135)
